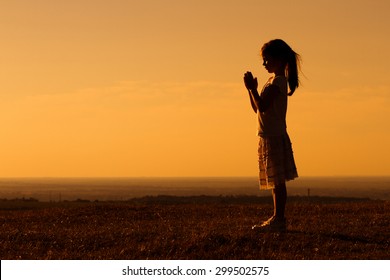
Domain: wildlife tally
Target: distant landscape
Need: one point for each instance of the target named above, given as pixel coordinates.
(60, 189)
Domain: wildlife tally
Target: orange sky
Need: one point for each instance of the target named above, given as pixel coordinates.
(154, 88)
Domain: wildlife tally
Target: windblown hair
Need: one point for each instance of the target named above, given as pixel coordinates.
(279, 49)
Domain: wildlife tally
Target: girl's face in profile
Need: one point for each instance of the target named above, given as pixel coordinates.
(271, 64)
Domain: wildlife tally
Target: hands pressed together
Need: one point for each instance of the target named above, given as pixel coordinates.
(250, 82)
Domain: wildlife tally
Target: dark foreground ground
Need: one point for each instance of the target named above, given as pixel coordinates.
(194, 228)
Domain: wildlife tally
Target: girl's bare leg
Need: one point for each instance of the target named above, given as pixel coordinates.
(279, 194)
(277, 222)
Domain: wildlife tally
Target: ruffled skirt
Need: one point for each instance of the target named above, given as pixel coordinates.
(276, 161)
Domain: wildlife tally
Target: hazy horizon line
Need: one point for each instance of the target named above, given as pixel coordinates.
(184, 177)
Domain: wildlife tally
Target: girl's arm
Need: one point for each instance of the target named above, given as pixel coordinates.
(251, 85)
(253, 102)
(259, 102)
(263, 101)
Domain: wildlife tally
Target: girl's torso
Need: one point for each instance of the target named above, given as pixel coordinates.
(272, 122)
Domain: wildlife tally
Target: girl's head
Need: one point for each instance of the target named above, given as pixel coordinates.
(281, 54)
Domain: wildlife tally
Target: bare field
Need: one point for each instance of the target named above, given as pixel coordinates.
(201, 227)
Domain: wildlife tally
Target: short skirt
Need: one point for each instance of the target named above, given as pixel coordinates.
(276, 161)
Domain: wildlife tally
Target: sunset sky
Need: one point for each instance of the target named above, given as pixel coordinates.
(155, 87)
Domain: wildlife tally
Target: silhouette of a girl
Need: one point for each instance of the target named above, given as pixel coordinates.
(276, 160)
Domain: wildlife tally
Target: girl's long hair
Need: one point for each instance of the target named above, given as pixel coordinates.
(280, 50)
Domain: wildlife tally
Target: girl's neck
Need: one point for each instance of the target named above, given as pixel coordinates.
(279, 72)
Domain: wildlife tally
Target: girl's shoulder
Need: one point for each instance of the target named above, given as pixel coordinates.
(281, 82)
(278, 79)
